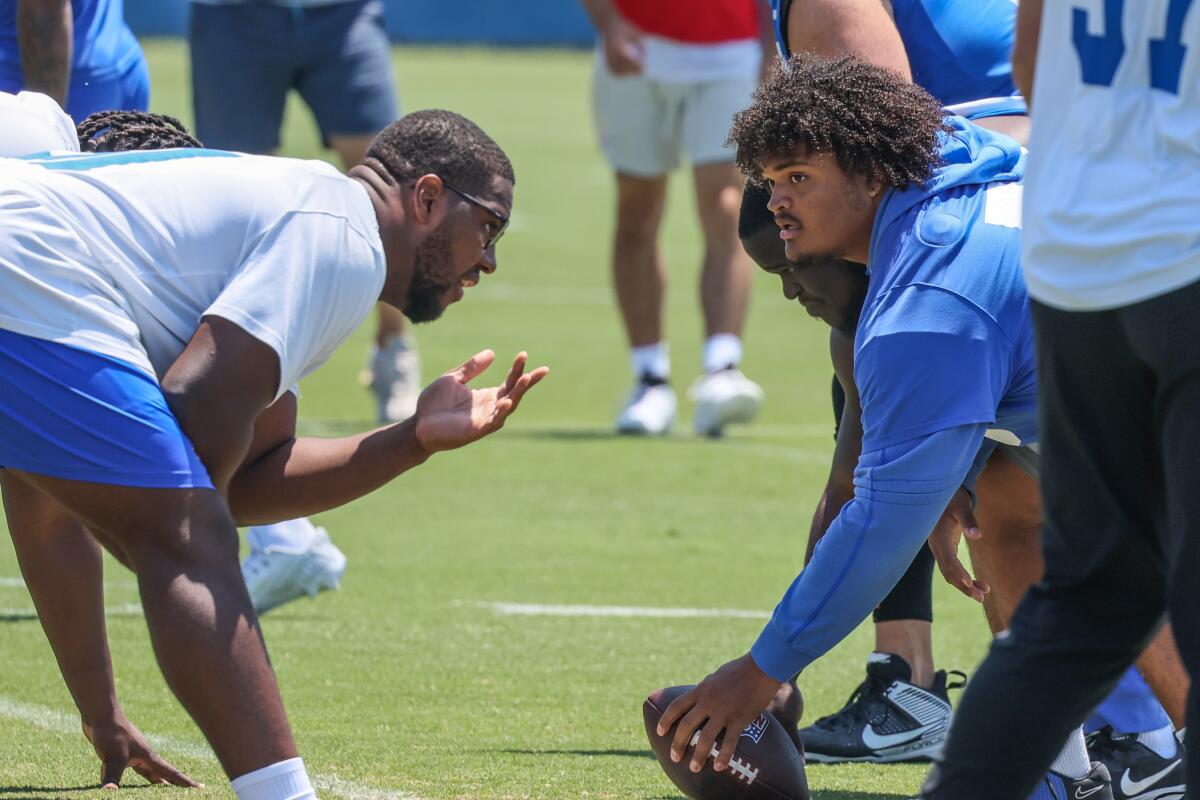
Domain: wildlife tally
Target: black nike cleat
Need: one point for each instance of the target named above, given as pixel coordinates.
(1138, 773)
(887, 719)
(1096, 785)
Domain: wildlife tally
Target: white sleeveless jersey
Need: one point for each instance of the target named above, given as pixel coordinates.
(1112, 191)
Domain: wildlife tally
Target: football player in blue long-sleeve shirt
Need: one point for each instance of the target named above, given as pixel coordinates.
(864, 167)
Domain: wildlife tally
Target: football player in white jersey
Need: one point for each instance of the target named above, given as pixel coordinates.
(1111, 252)
(161, 407)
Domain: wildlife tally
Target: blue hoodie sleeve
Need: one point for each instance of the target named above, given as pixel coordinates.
(900, 492)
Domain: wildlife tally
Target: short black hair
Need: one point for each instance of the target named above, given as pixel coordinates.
(117, 131)
(441, 143)
(873, 120)
(755, 214)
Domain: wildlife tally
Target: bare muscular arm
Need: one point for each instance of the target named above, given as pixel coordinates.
(45, 30)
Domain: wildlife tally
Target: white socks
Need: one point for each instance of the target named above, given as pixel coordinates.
(286, 780)
(1161, 741)
(294, 536)
(1073, 762)
(722, 351)
(651, 361)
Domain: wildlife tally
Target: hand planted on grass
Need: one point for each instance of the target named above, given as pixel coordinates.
(120, 746)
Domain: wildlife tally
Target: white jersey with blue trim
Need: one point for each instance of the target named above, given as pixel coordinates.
(124, 253)
(1112, 210)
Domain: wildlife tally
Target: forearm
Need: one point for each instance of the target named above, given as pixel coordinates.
(308, 475)
(44, 39)
(833, 499)
(601, 13)
(899, 497)
(1024, 59)
(64, 571)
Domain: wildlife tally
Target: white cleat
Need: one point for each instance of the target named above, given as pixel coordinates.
(395, 379)
(650, 410)
(275, 576)
(724, 397)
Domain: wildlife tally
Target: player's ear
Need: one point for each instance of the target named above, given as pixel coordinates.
(874, 184)
(426, 193)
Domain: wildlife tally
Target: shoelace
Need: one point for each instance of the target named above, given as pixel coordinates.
(856, 708)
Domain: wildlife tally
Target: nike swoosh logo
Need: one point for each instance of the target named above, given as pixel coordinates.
(882, 741)
(1080, 794)
(1131, 787)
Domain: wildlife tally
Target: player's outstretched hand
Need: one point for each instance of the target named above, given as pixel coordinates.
(122, 746)
(450, 414)
(729, 699)
(958, 519)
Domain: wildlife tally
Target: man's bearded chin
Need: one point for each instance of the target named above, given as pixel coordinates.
(428, 285)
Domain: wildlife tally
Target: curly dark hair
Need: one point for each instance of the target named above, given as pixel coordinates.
(441, 143)
(873, 120)
(117, 131)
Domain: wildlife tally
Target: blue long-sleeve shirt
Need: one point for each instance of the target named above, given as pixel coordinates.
(943, 356)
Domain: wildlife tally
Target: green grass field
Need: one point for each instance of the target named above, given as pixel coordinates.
(407, 683)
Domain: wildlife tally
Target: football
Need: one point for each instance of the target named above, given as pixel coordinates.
(765, 766)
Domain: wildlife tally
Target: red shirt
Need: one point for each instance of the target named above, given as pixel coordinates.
(694, 21)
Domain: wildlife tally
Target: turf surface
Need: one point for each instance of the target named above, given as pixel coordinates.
(406, 683)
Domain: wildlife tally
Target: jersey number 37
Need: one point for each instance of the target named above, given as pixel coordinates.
(1100, 56)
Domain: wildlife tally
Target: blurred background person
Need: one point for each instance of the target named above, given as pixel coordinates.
(81, 54)
(669, 77)
(247, 56)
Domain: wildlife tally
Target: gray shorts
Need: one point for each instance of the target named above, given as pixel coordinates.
(646, 125)
(247, 56)
(1025, 456)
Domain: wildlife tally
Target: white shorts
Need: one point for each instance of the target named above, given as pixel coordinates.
(645, 124)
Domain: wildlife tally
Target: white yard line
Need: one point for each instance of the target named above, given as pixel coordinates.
(58, 722)
(542, 610)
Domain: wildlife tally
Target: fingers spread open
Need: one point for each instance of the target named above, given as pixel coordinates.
(518, 367)
(705, 742)
(157, 770)
(728, 747)
(473, 366)
(678, 707)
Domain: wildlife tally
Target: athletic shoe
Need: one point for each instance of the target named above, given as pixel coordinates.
(1138, 773)
(394, 377)
(886, 719)
(723, 397)
(1096, 785)
(275, 577)
(650, 409)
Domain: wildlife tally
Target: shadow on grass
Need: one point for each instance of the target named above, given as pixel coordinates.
(545, 752)
(90, 787)
(18, 616)
(842, 794)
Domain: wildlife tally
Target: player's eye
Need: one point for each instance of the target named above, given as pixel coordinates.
(797, 177)
(491, 227)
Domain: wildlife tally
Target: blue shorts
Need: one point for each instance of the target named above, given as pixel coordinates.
(247, 56)
(70, 413)
(127, 91)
